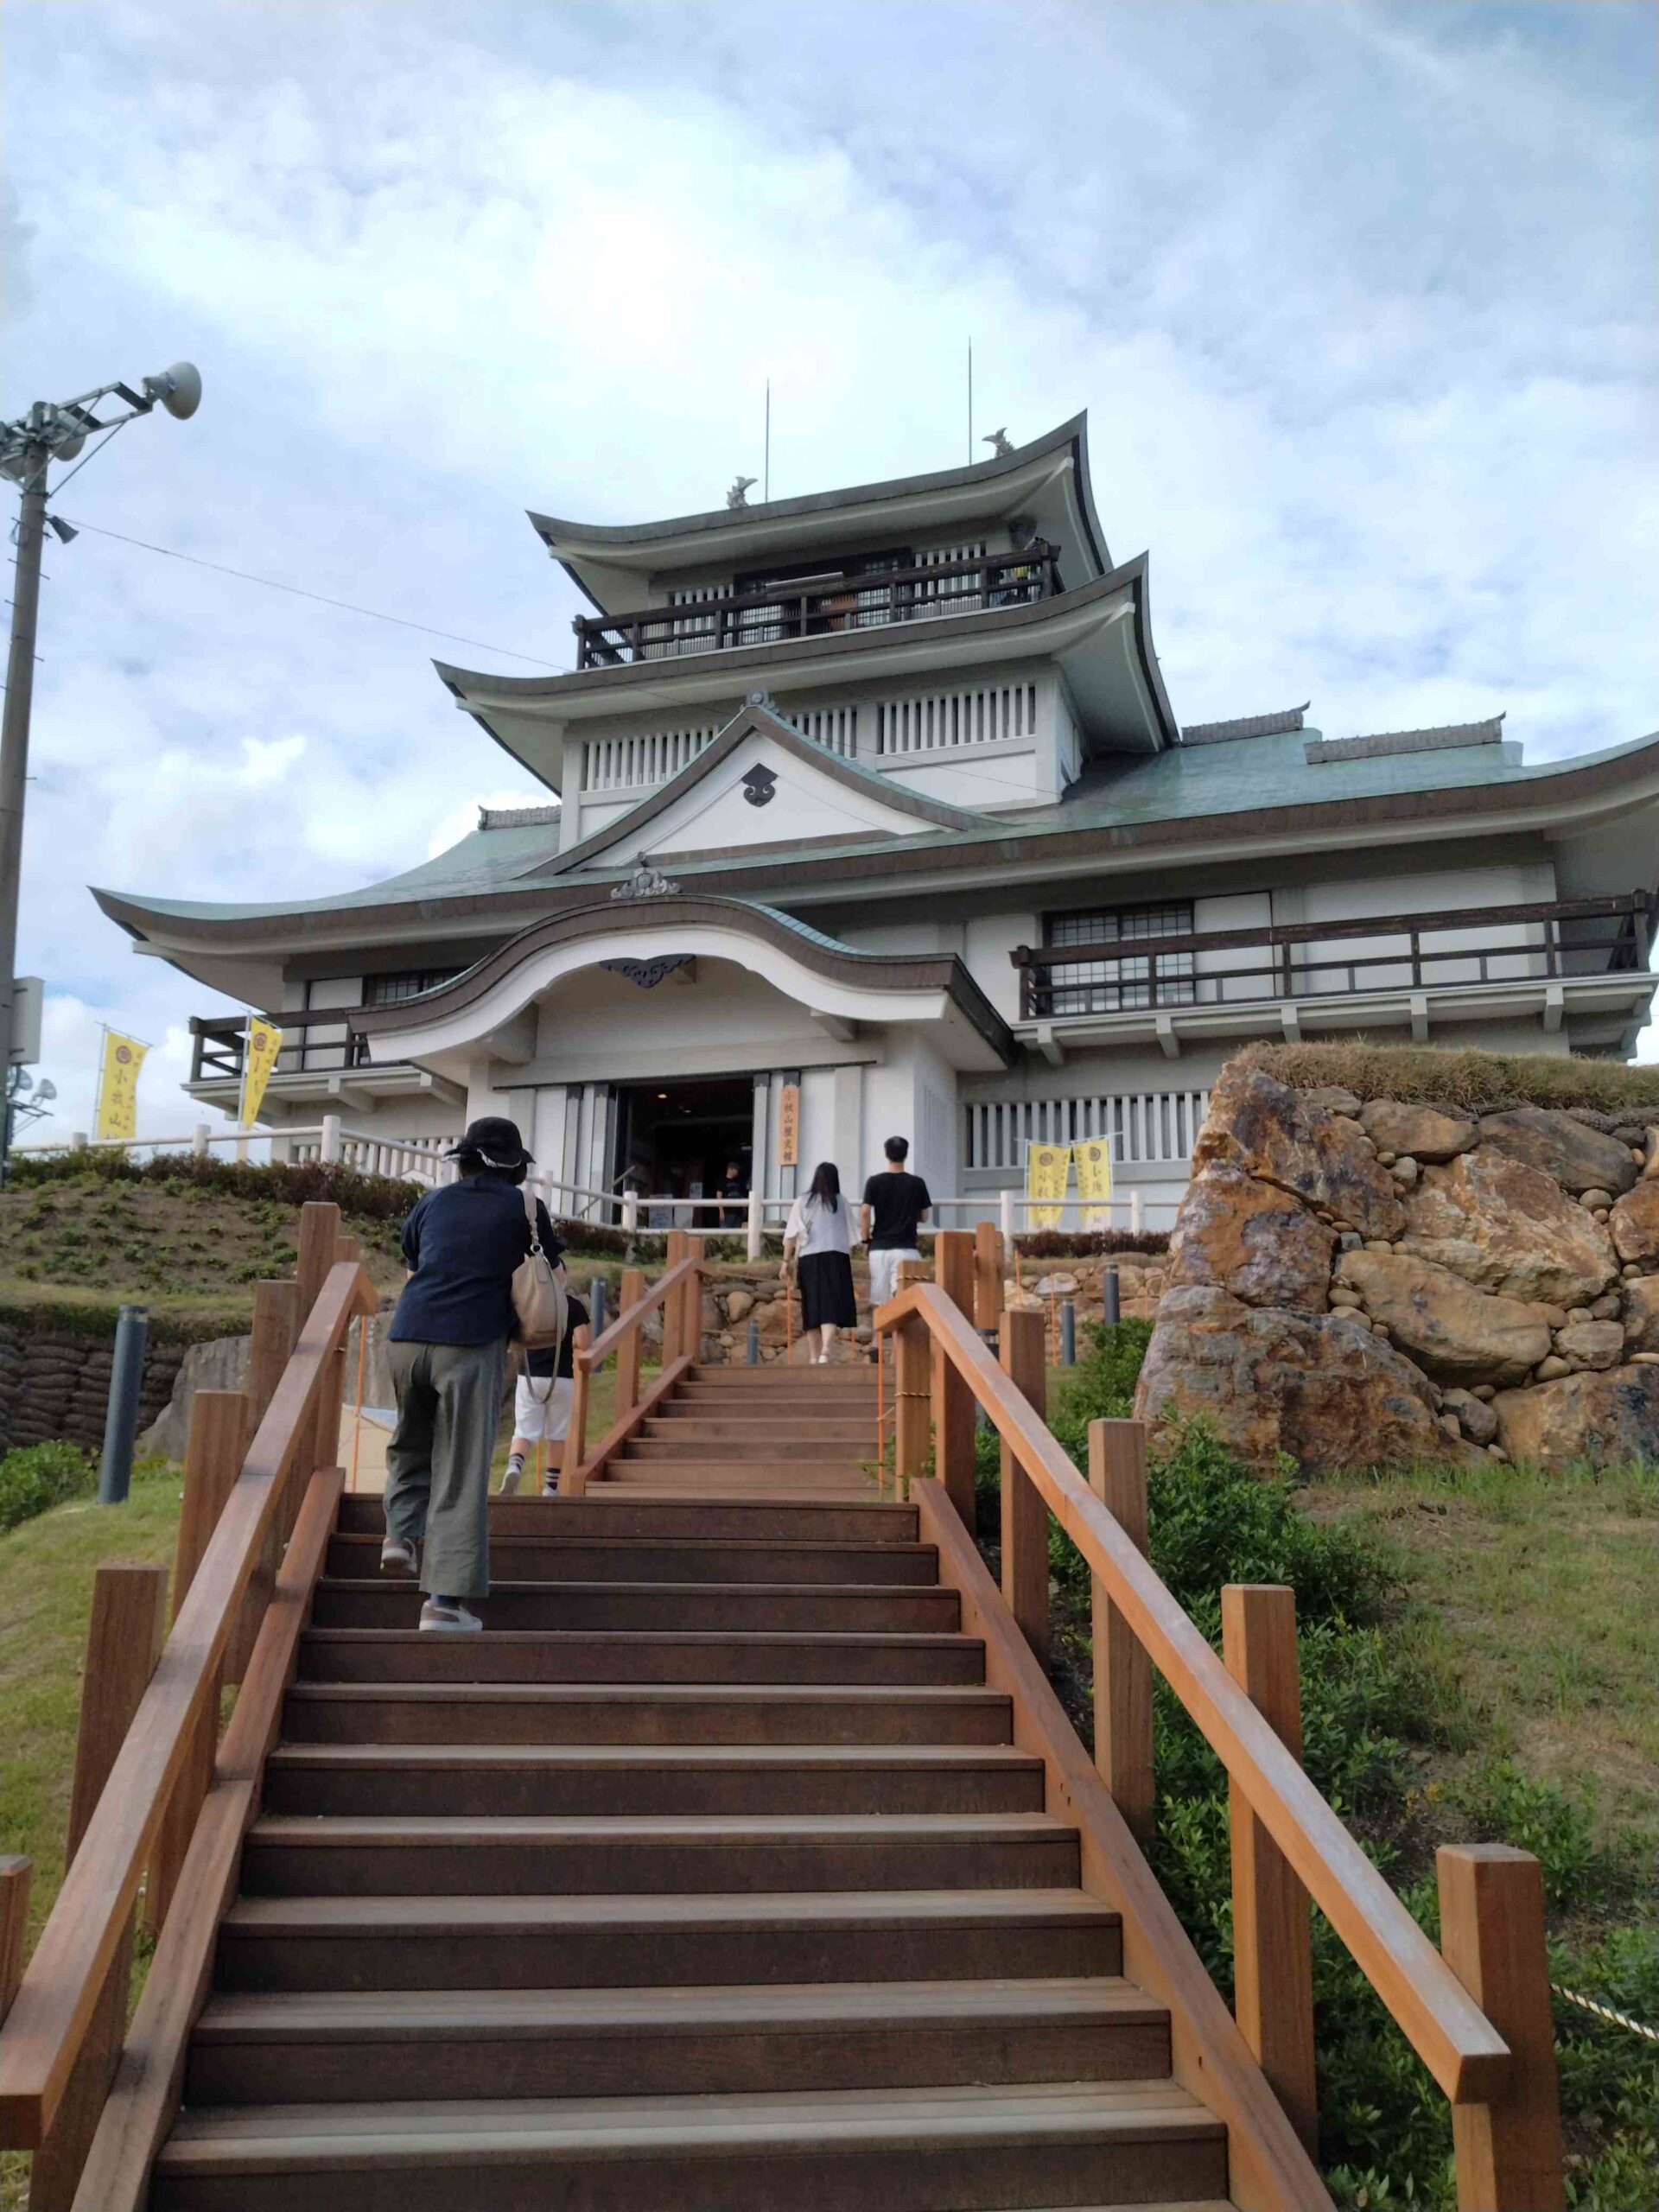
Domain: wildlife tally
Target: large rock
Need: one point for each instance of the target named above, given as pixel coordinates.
(1318, 1387)
(1610, 1418)
(1635, 1224)
(219, 1364)
(1641, 1311)
(1253, 1239)
(1262, 1127)
(1591, 1343)
(1579, 1159)
(1418, 1132)
(1507, 1227)
(1459, 1334)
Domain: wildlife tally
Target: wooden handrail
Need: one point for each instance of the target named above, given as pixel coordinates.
(1464, 2052)
(43, 2035)
(611, 1338)
(684, 1280)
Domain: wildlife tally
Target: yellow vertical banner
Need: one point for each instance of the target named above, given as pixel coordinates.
(1048, 1168)
(117, 1086)
(260, 1058)
(1094, 1160)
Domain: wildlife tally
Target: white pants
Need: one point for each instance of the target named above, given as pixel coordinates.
(541, 1408)
(884, 1268)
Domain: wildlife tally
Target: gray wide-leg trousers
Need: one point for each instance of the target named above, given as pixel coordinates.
(438, 1461)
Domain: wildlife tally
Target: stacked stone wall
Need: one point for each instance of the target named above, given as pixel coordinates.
(1356, 1282)
(54, 1384)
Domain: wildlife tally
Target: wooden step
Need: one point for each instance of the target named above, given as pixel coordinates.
(927, 2150)
(536, 1712)
(733, 1478)
(348, 1655)
(417, 1856)
(629, 1606)
(865, 1519)
(679, 1416)
(772, 1441)
(440, 2044)
(625, 1780)
(781, 1375)
(554, 1557)
(583, 1942)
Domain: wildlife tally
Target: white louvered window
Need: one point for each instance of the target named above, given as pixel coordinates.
(834, 728)
(1146, 1127)
(941, 720)
(1119, 984)
(621, 764)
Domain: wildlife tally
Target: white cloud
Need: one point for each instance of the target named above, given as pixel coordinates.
(1361, 301)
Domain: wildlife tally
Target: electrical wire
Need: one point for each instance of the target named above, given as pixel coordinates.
(321, 599)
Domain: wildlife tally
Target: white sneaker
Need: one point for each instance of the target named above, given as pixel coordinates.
(450, 1617)
(511, 1479)
(397, 1557)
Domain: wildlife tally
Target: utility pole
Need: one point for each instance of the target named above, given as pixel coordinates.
(14, 736)
(27, 446)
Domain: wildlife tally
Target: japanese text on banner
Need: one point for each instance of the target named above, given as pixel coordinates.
(1094, 1161)
(1048, 1168)
(265, 1042)
(117, 1086)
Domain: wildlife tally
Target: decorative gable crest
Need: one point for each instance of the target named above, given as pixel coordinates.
(759, 785)
(645, 882)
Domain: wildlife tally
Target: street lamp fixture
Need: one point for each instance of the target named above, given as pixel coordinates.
(29, 446)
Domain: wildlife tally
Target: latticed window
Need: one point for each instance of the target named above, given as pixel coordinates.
(392, 990)
(1121, 984)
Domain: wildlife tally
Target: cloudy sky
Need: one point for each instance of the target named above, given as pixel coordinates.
(1360, 298)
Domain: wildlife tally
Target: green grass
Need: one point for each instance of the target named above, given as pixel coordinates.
(1461, 1082)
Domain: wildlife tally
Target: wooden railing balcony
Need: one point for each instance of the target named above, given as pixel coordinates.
(220, 1044)
(821, 606)
(1467, 945)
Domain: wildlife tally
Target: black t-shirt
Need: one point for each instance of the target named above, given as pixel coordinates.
(463, 1242)
(897, 1201)
(540, 1362)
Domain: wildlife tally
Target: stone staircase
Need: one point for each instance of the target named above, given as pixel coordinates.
(707, 1878)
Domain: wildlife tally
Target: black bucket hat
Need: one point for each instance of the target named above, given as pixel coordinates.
(495, 1140)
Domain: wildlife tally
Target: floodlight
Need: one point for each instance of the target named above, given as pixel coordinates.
(179, 389)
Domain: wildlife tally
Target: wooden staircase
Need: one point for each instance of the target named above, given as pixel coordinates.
(708, 1877)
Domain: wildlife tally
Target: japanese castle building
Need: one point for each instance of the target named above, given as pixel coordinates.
(871, 808)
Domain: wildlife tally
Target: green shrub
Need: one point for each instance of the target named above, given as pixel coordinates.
(36, 1476)
(284, 1183)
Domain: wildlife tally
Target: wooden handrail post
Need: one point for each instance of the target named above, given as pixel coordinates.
(1025, 1515)
(575, 1442)
(327, 1445)
(319, 1234)
(1272, 1943)
(987, 1276)
(1117, 1475)
(628, 1352)
(674, 1338)
(14, 1925)
(212, 1458)
(953, 1398)
(276, 1333)
(912, 1393)
(123, 1641)
(1509, 2152)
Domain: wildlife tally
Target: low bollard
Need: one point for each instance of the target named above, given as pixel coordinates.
(753, 1352)
(121, 1417)
(1068, 1334)
(1108, 1298)
(596, 1305)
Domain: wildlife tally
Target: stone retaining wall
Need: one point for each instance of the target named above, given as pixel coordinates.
(55, 1385)
(1356, 1282)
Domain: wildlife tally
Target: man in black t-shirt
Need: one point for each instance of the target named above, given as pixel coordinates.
(895, 1206)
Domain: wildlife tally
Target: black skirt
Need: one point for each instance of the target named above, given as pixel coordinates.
(827, 1291)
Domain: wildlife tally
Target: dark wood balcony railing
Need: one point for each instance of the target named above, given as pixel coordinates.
(821, 606)
(1554, 938)
(221, 1042)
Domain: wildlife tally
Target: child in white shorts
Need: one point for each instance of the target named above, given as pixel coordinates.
(541, 1408)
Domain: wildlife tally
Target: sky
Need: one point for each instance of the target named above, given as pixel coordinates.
(1359, 296)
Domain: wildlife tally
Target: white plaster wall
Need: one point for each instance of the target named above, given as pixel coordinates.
(989, 939)
(1472, 888)
(594, 1025)
(1248, 909)
(913, 1094)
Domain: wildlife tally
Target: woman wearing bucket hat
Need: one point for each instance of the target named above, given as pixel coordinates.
(448, 1349)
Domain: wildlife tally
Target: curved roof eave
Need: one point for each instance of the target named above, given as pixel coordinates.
(569, 541)
(825, 956)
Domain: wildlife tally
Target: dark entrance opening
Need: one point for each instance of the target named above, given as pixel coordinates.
(675, 1138)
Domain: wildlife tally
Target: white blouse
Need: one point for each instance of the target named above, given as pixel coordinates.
(812, 1227)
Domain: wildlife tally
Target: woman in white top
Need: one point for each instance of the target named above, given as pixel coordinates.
(820, 1230)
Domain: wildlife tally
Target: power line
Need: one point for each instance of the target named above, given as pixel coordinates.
(321, 599)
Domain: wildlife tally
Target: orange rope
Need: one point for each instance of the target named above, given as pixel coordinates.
(880, 1409)
(357, 1418)
(788, 1319)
